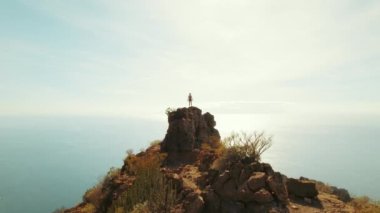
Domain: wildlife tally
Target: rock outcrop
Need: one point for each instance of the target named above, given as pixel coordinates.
(188, 130)
(244, 187)
(237, 185)
(302, 188)
(342, 194)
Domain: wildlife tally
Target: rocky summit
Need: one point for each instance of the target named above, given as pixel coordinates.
(192, 171)
(188, 130)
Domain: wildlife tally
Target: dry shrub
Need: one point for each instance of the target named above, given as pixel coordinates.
(94, 195)
(155, 142)
(365, 205)
(86, 208)
(242, 146)
(323, 187)
(213, 145)
(59, 210)
(141, 208)
(137, 164)
(150, 185)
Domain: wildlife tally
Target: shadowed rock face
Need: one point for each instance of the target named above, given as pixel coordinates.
(302, 188)
(188, 129)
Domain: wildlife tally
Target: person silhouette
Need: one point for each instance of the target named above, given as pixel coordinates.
(190, 99)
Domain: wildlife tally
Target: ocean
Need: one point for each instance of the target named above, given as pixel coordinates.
(49, 162)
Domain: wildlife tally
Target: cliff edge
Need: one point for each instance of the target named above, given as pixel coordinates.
(192, 171)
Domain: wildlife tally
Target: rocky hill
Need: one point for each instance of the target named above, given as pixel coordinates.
(191, 171)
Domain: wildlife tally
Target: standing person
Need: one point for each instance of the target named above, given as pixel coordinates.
(190, 99)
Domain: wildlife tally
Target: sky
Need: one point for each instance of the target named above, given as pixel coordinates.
(136, 58)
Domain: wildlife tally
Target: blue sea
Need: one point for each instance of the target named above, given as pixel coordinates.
(49, 162)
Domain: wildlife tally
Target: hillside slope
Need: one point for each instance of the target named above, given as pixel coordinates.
(192, 171)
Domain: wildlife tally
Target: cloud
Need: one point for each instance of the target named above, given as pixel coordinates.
(270, 55)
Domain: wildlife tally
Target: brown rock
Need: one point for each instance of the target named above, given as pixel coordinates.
(244, 175)
(342, 194)
(278, 187)
(278, 210)
(212, 201)
(232, 207)
(256, 167)
(302, 188)
(188, 128)
(228, 191)
(267, 168)
(195, 205)
(244, 193)
(236, 171)
(258, 208)
(256, 181)
(220, 180)
(262, 196)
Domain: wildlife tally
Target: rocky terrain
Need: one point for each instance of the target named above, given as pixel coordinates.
(190, 171)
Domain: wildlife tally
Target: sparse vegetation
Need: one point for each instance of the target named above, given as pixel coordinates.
(240, 146)
(94, 195)
(365, 205)
(169, 110)
(251, 145)
(214, 144)
(60, 210)
(150, 187)
(155, 142)
(141, 208)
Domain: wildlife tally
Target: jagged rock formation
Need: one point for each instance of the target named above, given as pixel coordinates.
(239, 185)
(302, 188)
(253, 187)
(188, 129)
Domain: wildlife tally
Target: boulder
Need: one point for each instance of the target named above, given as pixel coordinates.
(212, 201)
(244, 175)
(256, 167)
(235, 171)
(231, 207)
(256, 181)
(262, 196)
(195, 205)
(258, 207)
(228, 190)
(277, 185)
(244, 193)
(342, 194)
(267, 168)
(220, 180)
(301, 188)
(187, 130)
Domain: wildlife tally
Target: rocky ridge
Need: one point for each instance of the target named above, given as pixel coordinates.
(190, 148)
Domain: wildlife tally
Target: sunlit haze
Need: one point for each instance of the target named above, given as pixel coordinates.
(136, 58)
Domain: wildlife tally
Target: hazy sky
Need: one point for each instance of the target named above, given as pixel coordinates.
(105, 57)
